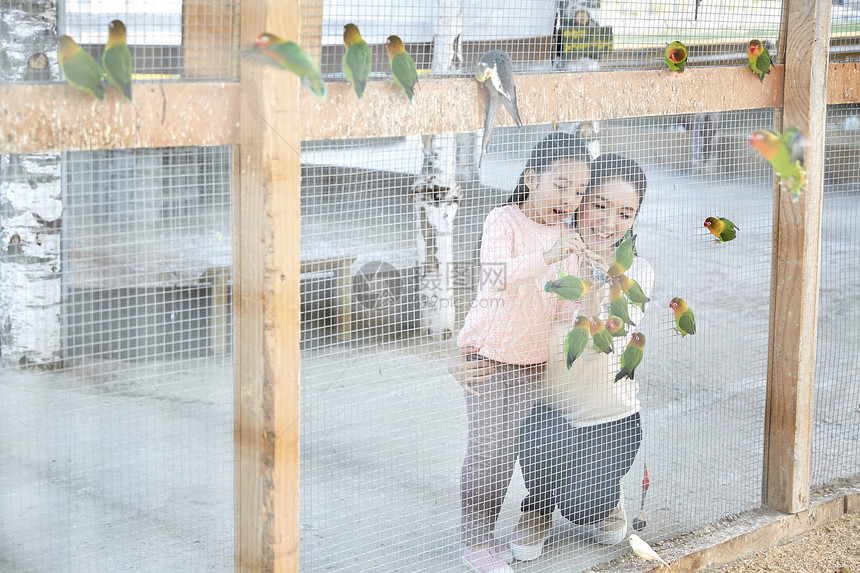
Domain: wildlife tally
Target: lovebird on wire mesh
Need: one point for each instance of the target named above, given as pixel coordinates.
(496, 67)
(723, 229)
(631, 357)
(624, 254)
(356, 59)
(786, 153)
(633, 290)
(618, 303)
(402, 66)
(759, 58)
(568, 287)
(290, 56)
(600, 336)
(576, 340)
(81, 69)
(615, 326)
(676, 56)
(685, 322)
(116, 59)
(643, 550)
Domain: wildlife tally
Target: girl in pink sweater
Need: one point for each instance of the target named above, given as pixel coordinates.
(504, 341)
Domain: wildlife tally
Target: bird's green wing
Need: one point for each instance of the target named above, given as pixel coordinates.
(687, 323)
(405, 74)
(763, 63)
(117, 64)
(83, 72)
(357, 60)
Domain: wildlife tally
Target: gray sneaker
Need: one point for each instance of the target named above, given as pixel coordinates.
(613, 529)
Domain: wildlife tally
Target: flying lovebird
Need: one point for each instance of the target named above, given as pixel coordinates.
(786, 153)
(633, 290)
(81, 69)
(685, 323)
(601, 337)
(290, 56)
(116, 59)
(615, 326)
(496, 67)
(624, 254)
(576, 340)
(723, 229)
(643, 550)
(402, 66)
(568, 287)
(618, 303)
(631, 357)
(676, 56)
(356, 60)
(759, 58)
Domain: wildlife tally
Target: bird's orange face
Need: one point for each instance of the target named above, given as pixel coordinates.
(262, 41)
(764, 143)
(673, 305)
(677, 55)
(638, 337)
(754, 49)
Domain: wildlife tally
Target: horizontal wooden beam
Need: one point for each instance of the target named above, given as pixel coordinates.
(53, 117)
(457, 105)
(56, 117)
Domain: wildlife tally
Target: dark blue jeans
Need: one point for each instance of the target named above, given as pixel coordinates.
(577, 469)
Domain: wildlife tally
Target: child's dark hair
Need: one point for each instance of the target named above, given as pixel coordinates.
(611, 166)
(554, 147)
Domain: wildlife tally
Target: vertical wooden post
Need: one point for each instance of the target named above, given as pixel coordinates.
(797, 253)
(268, 396)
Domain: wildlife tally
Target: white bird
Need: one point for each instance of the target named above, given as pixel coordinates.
(644, 550)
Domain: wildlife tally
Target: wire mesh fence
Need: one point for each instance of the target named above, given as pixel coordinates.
(384, 424)
(117, 435)
(845, 31)
(836, 425)
(448, 37)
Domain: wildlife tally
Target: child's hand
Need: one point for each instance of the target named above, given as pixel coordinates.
(568, 244)
(468, 368)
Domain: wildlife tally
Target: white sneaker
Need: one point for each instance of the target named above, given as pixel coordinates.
(613, 529)
(529, 536)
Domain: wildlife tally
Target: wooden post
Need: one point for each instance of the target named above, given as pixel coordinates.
(268, 376)
(797, 253)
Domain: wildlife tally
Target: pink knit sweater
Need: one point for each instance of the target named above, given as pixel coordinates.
(510, 319)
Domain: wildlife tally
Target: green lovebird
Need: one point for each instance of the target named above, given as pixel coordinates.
(633, 290)
(631, 357)
(618, 303)
(759, 58)
(615, 326)
(356, 60)
(676, 56)
(568, 287)
(786, 153)
(402, 65)
(290, 56)
(116, 59)
(685, 323)
(624, 254)
(723, 229)
(576, 340)
(601, 337)
(80, 68)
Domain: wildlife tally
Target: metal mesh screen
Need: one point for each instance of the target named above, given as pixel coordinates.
(836, 428)
(448, 37)
(169, 40)
(116, 277)
(390, 244)
(845, 31)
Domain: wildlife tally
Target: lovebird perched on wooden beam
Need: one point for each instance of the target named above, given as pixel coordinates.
(786, 153)
(676, 56)
(632, 356)
(759, 58)
(356, 59)
(81, 69)
(402, 66)
(290, 56)
(116, 59)
(576, 340)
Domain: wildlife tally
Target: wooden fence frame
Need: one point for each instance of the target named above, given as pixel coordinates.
(268, 116)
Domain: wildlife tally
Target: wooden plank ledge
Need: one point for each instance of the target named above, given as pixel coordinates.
(56, 117)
